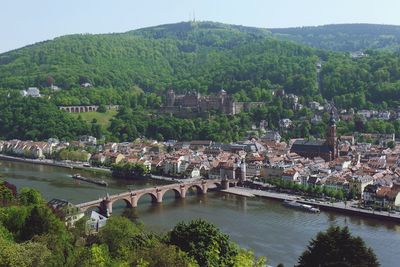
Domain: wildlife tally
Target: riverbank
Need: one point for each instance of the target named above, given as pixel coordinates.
(49, 162)
(325, 206)
(251, 222)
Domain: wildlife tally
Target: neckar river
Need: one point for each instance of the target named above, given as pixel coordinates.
(265, 226)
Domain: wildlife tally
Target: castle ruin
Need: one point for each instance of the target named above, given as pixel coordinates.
(194, 103)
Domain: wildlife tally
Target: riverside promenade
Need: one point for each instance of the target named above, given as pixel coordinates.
(50, 162)
(325, 206)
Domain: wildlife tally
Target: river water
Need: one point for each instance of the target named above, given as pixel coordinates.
(265, 226)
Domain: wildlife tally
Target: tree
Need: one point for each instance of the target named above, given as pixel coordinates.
(129, 170)
(96, 130)
(162, 255)
(13, 219)
(5, 234)
(102, 109)
(29, 196)
(24, 254)
(337, 247)
(391, 144)
(204, 242)
(98, 256)
(41, 220)
(120, 235)
(49, 80)
(6, 195)
(246, 258)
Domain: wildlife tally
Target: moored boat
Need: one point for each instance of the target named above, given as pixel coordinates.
(89, 180)
(297, 205)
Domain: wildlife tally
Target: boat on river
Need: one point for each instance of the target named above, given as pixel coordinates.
(296, 205)
(77, 176)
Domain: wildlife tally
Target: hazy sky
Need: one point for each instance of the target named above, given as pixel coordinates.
(24, 22)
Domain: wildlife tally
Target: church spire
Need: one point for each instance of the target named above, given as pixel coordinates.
(331, 139)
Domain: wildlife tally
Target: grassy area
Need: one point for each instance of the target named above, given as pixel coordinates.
(102, 118)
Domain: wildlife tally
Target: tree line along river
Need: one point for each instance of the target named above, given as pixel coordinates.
(279, 233)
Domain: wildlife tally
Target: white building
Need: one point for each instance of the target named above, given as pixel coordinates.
(95, 222)
(31, 91)
(384, 115)
(316, 106)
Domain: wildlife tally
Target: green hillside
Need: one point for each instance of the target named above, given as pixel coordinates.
(344, 37)
(103, 119)
(208, 56)
(134, 69)
(196, 56)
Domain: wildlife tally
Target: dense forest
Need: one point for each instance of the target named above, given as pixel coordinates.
(344, 37)
(134, 70)
(204, 57)
(36, 119)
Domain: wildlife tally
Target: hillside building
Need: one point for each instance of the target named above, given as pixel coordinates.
(195, 103)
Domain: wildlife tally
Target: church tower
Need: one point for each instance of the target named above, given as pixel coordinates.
(331, 138)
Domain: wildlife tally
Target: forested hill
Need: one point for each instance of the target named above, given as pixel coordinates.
(197, 56)
(208, 56)
(344, 37)
(248, 63)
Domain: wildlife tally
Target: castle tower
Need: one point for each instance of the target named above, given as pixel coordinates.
(331, 138)
(170, 98)
(222, 100)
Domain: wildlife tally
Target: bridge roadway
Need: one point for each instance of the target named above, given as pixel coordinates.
(131, 198)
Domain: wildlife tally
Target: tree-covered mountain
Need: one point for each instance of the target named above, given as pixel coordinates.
(196, 56)
(208, 56)
(134, 69)
(344, 37)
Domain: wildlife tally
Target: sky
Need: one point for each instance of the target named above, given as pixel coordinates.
(24, 22)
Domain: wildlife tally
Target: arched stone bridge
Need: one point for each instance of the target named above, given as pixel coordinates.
(131, 198)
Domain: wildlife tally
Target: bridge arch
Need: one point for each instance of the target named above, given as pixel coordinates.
(136, 198)
(217, 184)
(177, 193)
(126, 200)
(110, 203)
(200, 189)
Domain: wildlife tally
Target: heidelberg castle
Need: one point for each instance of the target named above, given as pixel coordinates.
(192, 103)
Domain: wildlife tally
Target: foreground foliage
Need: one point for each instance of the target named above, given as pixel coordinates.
(337, 247)
(32, 235)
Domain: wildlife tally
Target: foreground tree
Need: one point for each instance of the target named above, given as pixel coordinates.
(122, 237)
(162, 255)
(29, 196)
(205, 243)
(337, 247)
